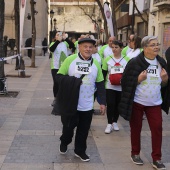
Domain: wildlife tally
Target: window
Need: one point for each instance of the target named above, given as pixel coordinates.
(60, 10)
(68, 9)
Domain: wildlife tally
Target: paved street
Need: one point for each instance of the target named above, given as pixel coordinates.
(29, 134)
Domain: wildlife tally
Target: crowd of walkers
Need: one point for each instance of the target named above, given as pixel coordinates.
(129, 81)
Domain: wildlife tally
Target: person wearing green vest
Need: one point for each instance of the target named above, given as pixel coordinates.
(76, 43)
(73, 67)
(76, 46)
(136, 47)
(59, 51)
(128, 48)
(112, 68)
(106, 50)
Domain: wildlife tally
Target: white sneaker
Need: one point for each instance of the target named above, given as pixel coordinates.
(109, 128)
(115, 126)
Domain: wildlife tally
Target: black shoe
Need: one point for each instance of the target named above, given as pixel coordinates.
(83, 157)
(136, 160)
(63, 149)
(158, 165)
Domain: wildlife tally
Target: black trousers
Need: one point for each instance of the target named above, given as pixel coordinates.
(112, 99)
(82, 120)
(55, 84)
(29, 53)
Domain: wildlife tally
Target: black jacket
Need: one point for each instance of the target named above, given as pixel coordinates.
(130, 80)
(68, 94)
(167, 55)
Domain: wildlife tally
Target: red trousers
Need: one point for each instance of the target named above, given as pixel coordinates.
(154, 117)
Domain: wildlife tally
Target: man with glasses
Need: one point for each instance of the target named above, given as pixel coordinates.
(128, 48)
(145, 89)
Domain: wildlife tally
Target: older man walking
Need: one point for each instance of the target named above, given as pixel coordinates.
(79, 112)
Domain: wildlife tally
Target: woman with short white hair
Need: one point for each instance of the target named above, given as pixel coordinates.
(145, 90)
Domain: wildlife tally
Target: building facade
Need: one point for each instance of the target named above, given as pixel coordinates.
(153, 18)
(9, 27)
(129, 20)
(78, 17)
(159, 22)
(75, 17)
(41, 23)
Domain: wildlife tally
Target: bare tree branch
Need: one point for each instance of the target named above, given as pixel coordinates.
(144, 20)
(104, 18)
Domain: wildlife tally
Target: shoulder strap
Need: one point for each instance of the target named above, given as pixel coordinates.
(119, 60)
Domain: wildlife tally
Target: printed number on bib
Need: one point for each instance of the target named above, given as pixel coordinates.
(116, 69)
(152, 71)
(82, 68)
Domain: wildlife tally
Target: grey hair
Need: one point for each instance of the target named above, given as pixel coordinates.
(145, 41)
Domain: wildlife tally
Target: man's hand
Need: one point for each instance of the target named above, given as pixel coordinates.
(142, 76)
(164, 75)
(102, 109)
(65, 36)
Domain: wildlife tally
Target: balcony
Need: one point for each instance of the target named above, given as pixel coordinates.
(124, 21)
(161, 3)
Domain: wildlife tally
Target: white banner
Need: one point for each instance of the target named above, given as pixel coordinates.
(108, 16)
(22, 16)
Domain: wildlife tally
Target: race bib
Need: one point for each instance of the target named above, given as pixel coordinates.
(117, 69)
(152, 71)
(83, 68)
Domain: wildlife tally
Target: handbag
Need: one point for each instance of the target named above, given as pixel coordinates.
(115, 79)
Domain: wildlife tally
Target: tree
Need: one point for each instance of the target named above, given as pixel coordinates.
(92, 17)
(2, 10)
(104, 18)
(141, 16)
(19, 62)
(16, 15)
(32, 2)
(113, 6)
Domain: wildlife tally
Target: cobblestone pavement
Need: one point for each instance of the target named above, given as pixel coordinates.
(29, 134)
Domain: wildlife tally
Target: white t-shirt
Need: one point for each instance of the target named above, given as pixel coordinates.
(128, 50)
(148, 92)
(57, 54)
(107, 52)
(72, 66)
(97, 57)
(108, 64)
(99, 47)
(134, 53)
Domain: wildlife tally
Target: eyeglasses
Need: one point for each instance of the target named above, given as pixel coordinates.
(153, 45)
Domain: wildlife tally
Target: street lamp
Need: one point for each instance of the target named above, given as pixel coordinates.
(33, 13)
(51, 16)
(55, 23)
